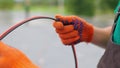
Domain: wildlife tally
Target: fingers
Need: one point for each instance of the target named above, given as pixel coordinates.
(64, 19)
(66, 29)
(72, 29)
(58, 25)
(60, 28)
(69, 35)
(58, 16)
(70, 40)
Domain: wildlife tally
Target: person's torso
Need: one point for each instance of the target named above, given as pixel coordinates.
(111, 57)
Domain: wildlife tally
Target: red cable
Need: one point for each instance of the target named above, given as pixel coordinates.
(75, 56)
(4, 34)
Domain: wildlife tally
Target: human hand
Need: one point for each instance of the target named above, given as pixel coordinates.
(73, 29)
(13, 58)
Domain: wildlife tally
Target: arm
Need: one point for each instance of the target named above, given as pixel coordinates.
(73, 29)
(101, 36)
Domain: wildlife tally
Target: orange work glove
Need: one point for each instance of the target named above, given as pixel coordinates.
(13, 58)
(73, 29)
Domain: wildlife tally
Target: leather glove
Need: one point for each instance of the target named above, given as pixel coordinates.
(73, 29)
(13, 58)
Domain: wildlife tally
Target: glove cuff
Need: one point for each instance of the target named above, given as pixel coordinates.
(90, 33)
(87, 33)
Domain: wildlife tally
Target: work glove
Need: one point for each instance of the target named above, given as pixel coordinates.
(73, 29)
(13, 58)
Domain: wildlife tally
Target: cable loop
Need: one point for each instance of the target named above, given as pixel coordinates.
(12, 28)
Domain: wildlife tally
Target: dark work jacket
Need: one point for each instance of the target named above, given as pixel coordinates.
(111, 57)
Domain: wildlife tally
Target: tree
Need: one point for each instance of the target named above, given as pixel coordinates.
(6, 4)
(108, 4)
(44, 2)
(80, 7)
(5, 7)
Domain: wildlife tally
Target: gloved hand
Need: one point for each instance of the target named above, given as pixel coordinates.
(13, 58)
(73, 29)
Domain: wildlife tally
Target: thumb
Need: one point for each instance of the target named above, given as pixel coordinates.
(58, 25)
(59, 17)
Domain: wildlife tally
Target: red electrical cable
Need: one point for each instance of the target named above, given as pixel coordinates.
(4, 34)
(75, 56)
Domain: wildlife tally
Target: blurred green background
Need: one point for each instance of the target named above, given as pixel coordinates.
(76, 7)
(92, 10)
